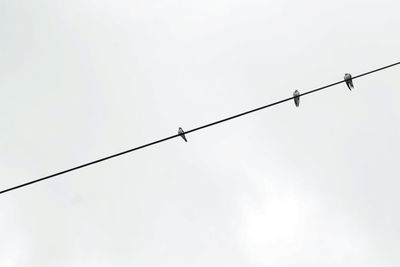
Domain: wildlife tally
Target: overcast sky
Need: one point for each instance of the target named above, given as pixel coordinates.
(310, 186)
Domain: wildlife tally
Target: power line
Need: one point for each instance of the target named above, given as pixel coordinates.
(189, 131)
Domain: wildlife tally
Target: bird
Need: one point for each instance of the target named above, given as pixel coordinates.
(296, 95)
(181, 132)
(349, 81)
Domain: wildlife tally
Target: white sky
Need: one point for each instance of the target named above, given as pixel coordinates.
(310, 186)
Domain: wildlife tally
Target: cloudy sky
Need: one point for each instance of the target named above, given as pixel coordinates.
(310, 186)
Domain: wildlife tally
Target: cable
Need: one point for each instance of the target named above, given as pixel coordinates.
(187, 132)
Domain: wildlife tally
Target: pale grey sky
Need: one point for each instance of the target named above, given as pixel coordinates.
(308, 186)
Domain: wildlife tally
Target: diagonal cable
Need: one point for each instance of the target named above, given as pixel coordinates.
(190, 131)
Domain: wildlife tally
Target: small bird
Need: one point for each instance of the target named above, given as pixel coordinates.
(296, 98)
(349, 81)
(181, 132)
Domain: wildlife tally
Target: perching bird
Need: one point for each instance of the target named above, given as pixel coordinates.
(182, 133)
(349, 81)
(296, 98)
